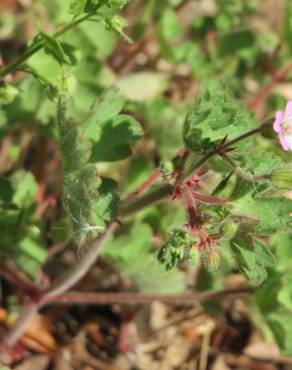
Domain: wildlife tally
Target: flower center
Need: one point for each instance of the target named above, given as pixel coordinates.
(287, 127)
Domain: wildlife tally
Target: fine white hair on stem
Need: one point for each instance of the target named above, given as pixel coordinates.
(81, 224)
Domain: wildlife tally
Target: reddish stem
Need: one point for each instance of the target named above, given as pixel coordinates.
(148, 182)
(191, 207)
(155, 175)
(262, 95)
(60, 285)
(17, 278)
(208, 199)
(134, 298)
(70, 277)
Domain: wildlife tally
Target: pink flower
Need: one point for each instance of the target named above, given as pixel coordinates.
(283, 126)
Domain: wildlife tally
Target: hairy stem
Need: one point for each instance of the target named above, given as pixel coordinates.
(73, 275)
(214, 151)
(183, 153)
(240, 171)
(146, 200)
(148, 182)
(165, 190)
(191, 207)
(208, 199)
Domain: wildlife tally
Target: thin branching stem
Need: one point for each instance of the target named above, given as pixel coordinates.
(67, 280)
(134, 298)
(165, 190)
(70, 277)
(17, 64)
(63, 283)
(241, 172)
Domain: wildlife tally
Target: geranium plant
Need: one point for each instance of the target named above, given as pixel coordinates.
(215, 197)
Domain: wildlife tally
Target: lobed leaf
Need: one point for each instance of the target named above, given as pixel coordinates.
(77, 7)
(177, 248)
(271, 214)
(108, 106)
(114, 139)
(112, 133)
(253, 261)
(214, 117)
(25, 244)
(44, 66)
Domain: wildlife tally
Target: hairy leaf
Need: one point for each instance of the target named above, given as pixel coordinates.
(108, 106)
(77, 7)
(176, 249)
(252, 260)
(214, 117)
(262, 162)
(107, 204)
(46, 69)
(24, 244)
(114, 138)
(269, 213)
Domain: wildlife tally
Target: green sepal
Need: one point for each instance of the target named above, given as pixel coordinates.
(281, 178)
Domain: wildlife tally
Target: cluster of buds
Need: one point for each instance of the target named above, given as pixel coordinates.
(195, 236)
(206, 244)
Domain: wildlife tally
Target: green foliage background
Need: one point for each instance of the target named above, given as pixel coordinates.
(120, 116)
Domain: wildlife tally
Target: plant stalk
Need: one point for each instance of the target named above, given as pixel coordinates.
(63, 283)
(39, 45)
(135, 298)
(73, 275)
(165, 190)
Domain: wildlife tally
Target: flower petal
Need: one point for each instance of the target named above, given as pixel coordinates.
(288, 139)
(284, 143)
(288, 110)
(277, 122)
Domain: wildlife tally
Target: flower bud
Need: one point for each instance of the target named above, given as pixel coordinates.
(228, 229)
(281, 178)
(211, 259)
(214, 260)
